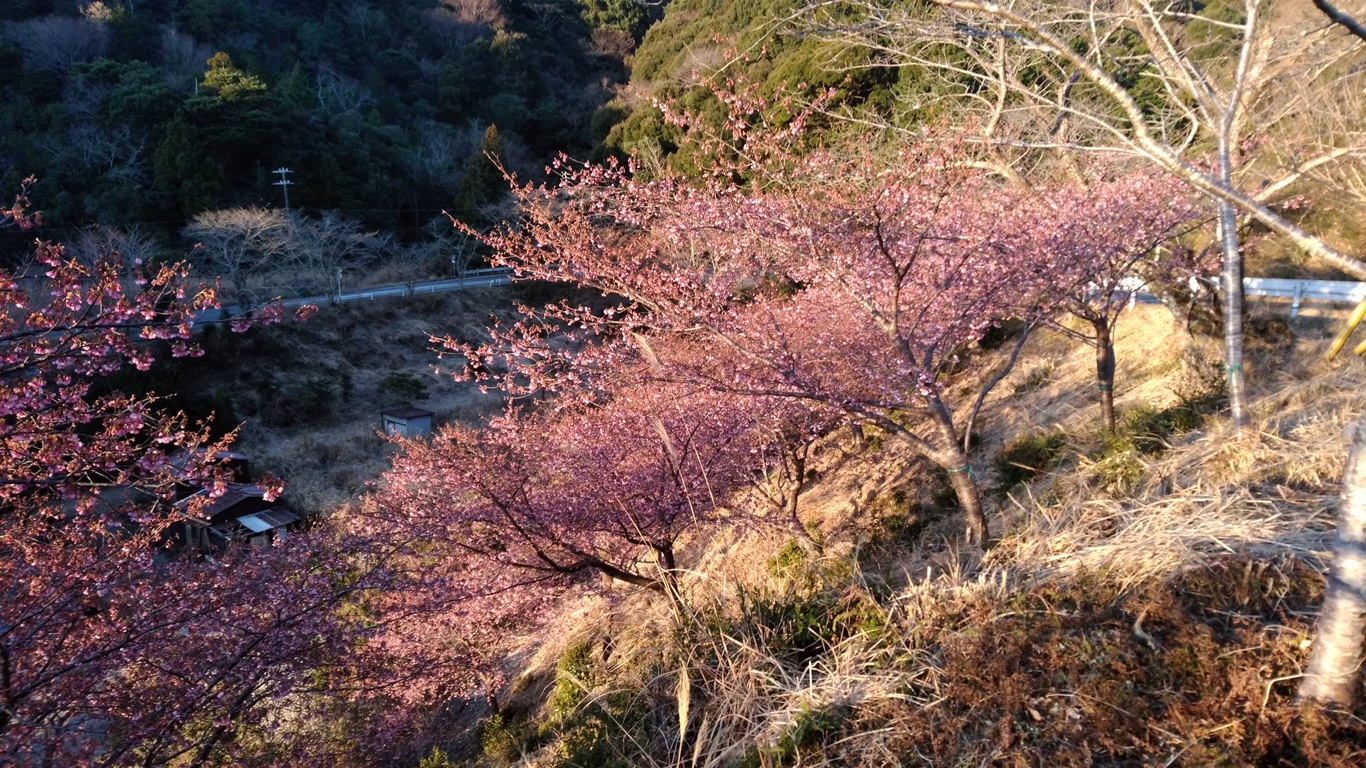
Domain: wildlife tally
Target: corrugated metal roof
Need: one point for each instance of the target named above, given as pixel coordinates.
(231, 497)
(254, 523)
(406, 412)
(276, 517)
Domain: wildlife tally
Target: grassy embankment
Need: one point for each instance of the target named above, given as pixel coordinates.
(308, 395)
(1150, 600)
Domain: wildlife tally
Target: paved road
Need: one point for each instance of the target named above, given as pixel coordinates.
(1296, 290)
(475, 278)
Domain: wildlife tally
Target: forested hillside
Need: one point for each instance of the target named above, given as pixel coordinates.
(750, 39)
(150, 112)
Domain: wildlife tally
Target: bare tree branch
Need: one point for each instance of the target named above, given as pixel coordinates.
(1338, 17)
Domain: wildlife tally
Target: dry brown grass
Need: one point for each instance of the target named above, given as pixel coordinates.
(1266, 492)
(310, 394)
(1164, 626)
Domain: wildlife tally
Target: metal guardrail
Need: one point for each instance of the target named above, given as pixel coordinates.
(1335, 291)
(475, 278)
(1298, 291)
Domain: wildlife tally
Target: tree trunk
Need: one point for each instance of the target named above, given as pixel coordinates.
(668, 577)
(491, 696)
(1334, 672)
(1233, 297)
(1105, 371)
(969, 499)
(860, 439)
(991, 384)
(950, 455)
(1152, 145)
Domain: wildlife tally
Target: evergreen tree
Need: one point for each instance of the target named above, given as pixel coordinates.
(228, 82)
(483, 182)
(184, 171)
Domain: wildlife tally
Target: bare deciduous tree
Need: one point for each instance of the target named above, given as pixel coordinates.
(58, 43)
(325, 249)
(457, 23)
(183, 59)
(99, 11)
(486, 13)
(438, 151)
(341, 94)
(366, 21)
(1217, 100)
(110, 152)
(238, 245)
(612, 43)
(448, 251)
(134, 244)
(264, 253)
(410, 265)
(83, 97)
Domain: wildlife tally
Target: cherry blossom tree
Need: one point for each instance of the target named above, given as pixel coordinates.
(848, 286)
(851, 280)
(1113, 239)
(262, 252)
(535, 499)
(1242, 100)
(498, 521)
(113, 649)
(18, 214)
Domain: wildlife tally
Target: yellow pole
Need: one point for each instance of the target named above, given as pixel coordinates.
(1357, 315)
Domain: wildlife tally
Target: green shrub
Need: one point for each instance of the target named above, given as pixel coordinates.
(587, 728)
(810, 729)
(437, 759)
(1147, 431)
(788, 563)
(1030, 455)
(404, 386)
(575, 675)
(496, 740)
(317, 398)
(875, 443)
(799, 627)
(1151, 428)
(586, 745)
(1119, 467)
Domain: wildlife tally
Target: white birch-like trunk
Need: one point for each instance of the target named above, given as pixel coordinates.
(1152, 143)
(1334, 672)
(1232, 283)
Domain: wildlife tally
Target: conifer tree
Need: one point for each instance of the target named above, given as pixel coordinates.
(483, 181)
(184, 171)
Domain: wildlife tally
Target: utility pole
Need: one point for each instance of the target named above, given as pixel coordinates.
(284, 183)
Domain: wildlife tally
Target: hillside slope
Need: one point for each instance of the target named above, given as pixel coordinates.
(1151, 601)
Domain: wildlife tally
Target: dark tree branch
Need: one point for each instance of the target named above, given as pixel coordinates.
(1338, 17)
